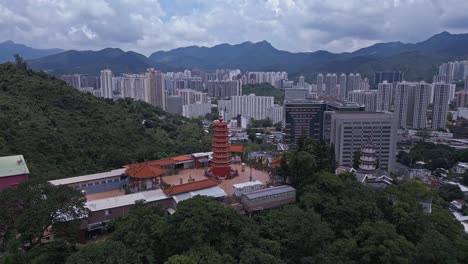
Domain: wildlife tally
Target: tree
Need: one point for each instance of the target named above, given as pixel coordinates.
(356, 159)
(435, 248)
(20, 63)
(450, 192)
(423, 134)
(104, 252)
(378, 242)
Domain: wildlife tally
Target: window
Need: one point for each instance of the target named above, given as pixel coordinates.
(109, 212)
(103, 182)
(90, 184)
(83, 185)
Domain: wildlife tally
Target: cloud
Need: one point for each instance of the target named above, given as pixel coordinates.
(296, 25)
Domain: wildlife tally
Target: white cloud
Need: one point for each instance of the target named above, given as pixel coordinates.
(296, 25)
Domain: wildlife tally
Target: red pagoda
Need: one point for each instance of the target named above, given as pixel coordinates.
(220, 164)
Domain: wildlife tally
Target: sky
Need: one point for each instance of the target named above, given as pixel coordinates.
(147, 26)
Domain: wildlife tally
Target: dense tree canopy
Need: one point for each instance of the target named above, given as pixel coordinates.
(434, 155)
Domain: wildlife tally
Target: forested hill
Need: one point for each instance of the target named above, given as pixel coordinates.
(62, 132)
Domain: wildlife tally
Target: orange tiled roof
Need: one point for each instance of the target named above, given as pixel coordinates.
(276, 163)
(236, 148)
(181, 158)
(145, 170)
(191, 186)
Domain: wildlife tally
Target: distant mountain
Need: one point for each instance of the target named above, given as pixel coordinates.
(418, 60)
(442, 43)
(9, 48)
(252, 56)
(91, 62)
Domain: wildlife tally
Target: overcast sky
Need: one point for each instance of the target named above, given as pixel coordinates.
(295, 25)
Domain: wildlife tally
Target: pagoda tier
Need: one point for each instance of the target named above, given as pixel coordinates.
(220, 164)
(368, 159)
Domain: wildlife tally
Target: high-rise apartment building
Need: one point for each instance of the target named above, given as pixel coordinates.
(404, 94)
(301, 82)
(156, 88)
(384, 96)
(422, 93)
(196, 110)
(134, 86)
(331, 81)
(350, 130)
(461, 98)
(389, 76)
(366, 98)
(224, 88)
(191, 96)
(174, 104)
(440, 106)
(320, 82)
(353, 82)
(106, 84)
(343, 87)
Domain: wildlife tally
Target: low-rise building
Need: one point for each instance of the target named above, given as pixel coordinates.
(460, 167)
(13, 171)
(247, 187)
(268, 198)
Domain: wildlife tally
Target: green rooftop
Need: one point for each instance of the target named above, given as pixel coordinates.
(13, 165)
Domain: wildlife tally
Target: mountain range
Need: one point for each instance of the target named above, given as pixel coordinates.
(9, 48)
(419, 60)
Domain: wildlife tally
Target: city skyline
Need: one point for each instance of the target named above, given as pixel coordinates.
(148, 26)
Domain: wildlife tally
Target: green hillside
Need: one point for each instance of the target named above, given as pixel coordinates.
(264, 89)
(62, 132)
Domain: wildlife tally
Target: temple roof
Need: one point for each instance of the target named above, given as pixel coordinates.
(145, 170)
(190, 187)
(236, 148)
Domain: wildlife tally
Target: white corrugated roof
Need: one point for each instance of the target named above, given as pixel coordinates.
(269, 191)
(123, 200)
(90, 177)
(463, 188)
(214, 191)
(202, 154)
(245, 184)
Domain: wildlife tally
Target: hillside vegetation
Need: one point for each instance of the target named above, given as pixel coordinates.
(62, 132)
(264, 89)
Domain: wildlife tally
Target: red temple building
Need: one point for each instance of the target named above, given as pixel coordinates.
(220, 164)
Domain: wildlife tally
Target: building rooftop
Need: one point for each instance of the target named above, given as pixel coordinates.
(13, 165)
(215, 192)
(124, 200)
(191, 186)
(269, 191)
(237, 148)
(245, 184)
(90, 177)
(145, 170)
(463, 165)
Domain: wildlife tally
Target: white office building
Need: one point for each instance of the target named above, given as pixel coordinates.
(251, 106)
(350, 130)
(276, 113)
